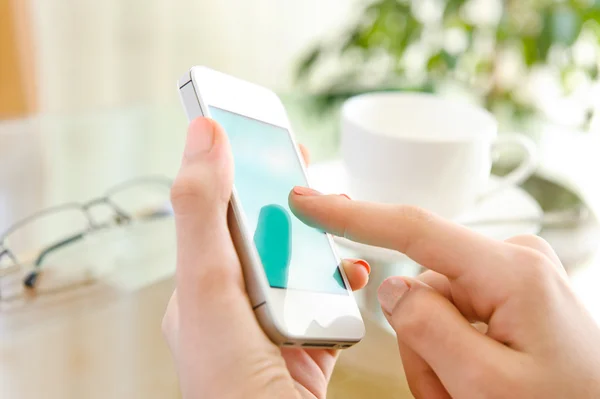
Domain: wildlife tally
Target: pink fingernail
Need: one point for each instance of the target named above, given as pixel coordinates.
(390, 292)
(364, 264)
(307, 191)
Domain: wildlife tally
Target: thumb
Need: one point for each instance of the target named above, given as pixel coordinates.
(205, 179)
(200, 196)
(215, 327)
(431, 327)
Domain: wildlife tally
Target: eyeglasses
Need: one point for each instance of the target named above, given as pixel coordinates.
(27, 245)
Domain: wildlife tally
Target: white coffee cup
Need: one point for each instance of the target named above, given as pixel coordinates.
(424, 150)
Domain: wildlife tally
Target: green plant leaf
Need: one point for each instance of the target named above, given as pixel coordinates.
(436, 63)
(352, 41)
(453, 7)
(566, 75)
(484, 67)
(308, 62)
(450, 60)
(593, 72)
(593, 26)
(534, 49)
(441, 62)
(412, 31)
(505, 31)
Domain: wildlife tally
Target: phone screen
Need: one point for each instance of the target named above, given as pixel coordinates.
(294, 255)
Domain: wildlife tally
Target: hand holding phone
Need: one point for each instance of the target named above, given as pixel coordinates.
(219, 347)
(297, 288)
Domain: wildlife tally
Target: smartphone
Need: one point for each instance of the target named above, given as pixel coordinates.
(294, 279)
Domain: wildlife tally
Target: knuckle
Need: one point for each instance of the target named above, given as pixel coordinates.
(218, 276)
(542, 246)
(534, 267)
(411, 319)
(186, 193)
(531, 241)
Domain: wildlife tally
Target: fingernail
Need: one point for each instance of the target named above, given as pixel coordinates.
(390, 292)
(364, 264)
(346, 195)
(300, 190)
(200, 138)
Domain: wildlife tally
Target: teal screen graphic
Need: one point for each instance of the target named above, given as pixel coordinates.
(293, 254)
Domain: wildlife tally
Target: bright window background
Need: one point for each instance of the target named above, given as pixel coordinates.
(109, 53)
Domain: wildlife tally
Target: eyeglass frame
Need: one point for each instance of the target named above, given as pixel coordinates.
(120, 218)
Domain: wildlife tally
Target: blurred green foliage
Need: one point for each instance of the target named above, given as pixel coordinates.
(536, 33)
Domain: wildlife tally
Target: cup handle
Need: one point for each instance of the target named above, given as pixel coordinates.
(527, 166)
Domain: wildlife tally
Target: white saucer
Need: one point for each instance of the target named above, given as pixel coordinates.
(510, 212)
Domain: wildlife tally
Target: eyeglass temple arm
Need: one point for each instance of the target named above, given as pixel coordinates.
(6, 252)
(157, 214)
(31, 278)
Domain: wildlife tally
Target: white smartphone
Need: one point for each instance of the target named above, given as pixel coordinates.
(294, 278)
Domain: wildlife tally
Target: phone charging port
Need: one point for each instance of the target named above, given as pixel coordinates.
(319, 345)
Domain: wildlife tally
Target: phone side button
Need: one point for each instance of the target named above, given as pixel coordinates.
(190, 101)
(266, 321)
